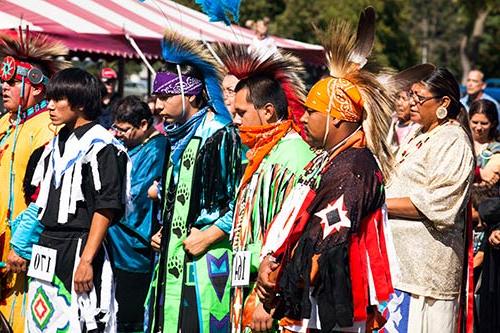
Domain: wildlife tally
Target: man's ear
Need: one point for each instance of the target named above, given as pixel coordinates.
(336, 122)
(37, 90)
(143, 125)
(270, 115)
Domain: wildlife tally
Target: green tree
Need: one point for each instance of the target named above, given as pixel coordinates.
(458, 34)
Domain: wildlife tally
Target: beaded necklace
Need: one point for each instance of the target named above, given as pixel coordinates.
(417, 141)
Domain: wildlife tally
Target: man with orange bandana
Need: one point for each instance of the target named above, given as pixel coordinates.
(325, 256)
(268, 96)
(27, 62)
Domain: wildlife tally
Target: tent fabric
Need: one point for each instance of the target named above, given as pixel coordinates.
(99, 26)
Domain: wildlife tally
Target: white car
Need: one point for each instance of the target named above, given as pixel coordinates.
(135, 88)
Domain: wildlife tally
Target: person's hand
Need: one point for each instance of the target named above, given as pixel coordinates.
(261, 320)
(494, 238)
(196, 243)
(15, 263)
(156, 241)
(153, 191)
(489, 177)
(265, 287)
(84, 277)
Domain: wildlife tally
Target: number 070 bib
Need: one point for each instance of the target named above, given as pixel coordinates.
(43, 263)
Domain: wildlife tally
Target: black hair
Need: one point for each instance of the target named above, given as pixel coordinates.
(489, 109)
(263, 90)
(188, 70)
(440, 83)
(150, 99)
(80, 88)
(133, 110)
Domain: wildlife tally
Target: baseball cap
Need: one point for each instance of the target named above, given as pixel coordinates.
(108, 73)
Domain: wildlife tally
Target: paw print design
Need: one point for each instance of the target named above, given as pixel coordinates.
(188, 159)
(182, 194)
(174, 266)
(178, 227)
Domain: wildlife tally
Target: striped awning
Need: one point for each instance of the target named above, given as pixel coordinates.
(99, 26)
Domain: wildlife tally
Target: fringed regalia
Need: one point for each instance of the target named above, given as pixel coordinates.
(258, 202)
(18, 140)
(80, 171)
(277, 158)
(330, 240)
(189, 293)
(330, 237)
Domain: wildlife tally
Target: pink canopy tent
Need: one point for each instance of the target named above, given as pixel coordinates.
(98, 27)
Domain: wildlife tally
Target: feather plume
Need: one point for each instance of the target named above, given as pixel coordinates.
(404, 79)
(378, 105)
(343, 48)
(178, 49)
(35, 49)
(220, 10)
(365, 37)
(282, 66)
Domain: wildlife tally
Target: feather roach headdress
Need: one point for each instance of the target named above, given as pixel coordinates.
(179, 50)
(283, 67)
(33, 49)
(352, 93)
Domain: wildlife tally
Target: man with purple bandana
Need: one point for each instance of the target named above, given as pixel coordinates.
(190, 286)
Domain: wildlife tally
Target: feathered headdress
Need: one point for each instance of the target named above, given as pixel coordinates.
(32, 49)
(352, 93)
(180, 50)
(221, 10)
(281, 66)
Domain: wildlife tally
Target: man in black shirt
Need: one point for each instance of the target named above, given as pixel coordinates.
(81, 178)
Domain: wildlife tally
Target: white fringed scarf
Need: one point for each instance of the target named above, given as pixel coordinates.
(66, 170)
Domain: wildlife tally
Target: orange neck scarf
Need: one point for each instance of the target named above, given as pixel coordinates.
(260, 140)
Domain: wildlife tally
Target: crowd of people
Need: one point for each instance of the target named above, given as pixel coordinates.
(234, 200)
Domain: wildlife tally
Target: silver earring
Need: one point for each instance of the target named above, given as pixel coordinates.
(441, 112)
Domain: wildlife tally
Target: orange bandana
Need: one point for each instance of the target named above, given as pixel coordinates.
(260, 140)
(340, 97)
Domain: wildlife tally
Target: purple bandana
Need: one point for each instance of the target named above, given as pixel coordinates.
(168, 83)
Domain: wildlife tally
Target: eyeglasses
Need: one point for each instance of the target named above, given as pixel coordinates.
(421, 99)
(120, 130)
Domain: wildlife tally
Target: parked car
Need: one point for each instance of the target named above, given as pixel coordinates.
(492, 88)
(138, 88)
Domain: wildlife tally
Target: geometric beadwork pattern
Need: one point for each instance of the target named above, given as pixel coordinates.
(41, 308)
(218, 272)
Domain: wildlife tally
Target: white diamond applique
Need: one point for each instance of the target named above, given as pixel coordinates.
(333, 217)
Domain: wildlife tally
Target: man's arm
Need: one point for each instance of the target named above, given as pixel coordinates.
(84, 273)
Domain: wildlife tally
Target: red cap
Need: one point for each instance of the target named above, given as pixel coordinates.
(108, 73)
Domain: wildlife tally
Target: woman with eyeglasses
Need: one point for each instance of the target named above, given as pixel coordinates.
(426, 202)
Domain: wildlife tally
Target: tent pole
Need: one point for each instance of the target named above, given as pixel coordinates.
(149, 83)
(121, 76)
